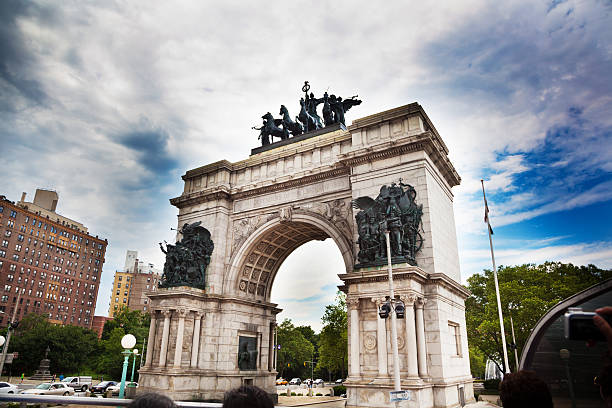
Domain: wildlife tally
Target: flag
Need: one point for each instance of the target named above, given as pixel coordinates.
(486, 217)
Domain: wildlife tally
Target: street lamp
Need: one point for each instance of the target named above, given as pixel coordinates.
(134, 363)
(127, 342)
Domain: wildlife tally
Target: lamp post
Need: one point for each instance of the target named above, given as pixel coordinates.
(127, 342)
(134, 364)
(12, 325)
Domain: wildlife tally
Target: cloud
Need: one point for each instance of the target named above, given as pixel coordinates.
(110, 103)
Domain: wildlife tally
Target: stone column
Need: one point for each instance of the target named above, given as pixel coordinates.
(180, 331)
(151, 340)
(381, 340)
(164, 341)
(353, 305)
(271, 346)
(411, 341)
(420, 332)
(195, 345)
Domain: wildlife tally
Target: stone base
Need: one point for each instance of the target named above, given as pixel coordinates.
(425, 394)
(198, 385)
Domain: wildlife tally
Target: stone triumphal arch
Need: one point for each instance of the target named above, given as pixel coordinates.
(202, 342)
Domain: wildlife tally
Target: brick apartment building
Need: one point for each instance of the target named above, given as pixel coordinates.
(131, 285)
(49, 264)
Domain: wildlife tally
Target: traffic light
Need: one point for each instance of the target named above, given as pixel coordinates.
(400, 310)
(385, 308)
(288, 364)
(304, 364)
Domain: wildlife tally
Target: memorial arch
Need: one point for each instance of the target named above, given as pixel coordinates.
(203, 342)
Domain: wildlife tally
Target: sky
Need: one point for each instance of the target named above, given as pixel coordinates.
(109, 103)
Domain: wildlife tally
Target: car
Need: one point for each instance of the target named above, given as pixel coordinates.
(102, 386)
(319, 381)
(114, 389)
(339, 381)
(8, 388)
(281, 381)
(78, 383)
(295, 381)
(46, 388)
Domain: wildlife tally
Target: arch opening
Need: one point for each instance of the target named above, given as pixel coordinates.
(257, 263)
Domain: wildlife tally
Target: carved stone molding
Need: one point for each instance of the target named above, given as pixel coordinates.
(409, 298)
(420, 302)
(352, 303)
(244, 227)
(400, 342)
(285, 214)
(379, 301)
(369, 342)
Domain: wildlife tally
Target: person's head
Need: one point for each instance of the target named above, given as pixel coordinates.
(524, 390)
(247, 396)
(152, 400)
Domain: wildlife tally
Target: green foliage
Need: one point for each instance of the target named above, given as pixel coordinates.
(293, 394)
(339, 389)
(478, 362)
(71, 347)
(492, 384)
(295, 349)
(110, 361)
(333, 345)
(318, 394)
(527, 292)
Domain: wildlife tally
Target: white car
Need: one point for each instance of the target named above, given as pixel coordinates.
(114, 389)
(8, 388)
(56, 388)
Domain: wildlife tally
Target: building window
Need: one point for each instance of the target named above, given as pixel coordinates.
(13, 214)
(5, 243)
(2, 254)
(455, 334)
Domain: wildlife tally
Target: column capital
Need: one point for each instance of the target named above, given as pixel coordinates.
(408, 298)
(166, 312)
(352, 303)
(379, 300)
(182, 312)
(420, 302)
(198, 314)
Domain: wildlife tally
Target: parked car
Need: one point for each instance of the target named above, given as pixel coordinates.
(101, 387)
(8, 388)
(339, 381)
(295, 381)
(57, 388)
(114, 389)
(281, 381)
(78, 383)
(318, 382)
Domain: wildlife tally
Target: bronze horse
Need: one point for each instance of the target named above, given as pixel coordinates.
(295, 128)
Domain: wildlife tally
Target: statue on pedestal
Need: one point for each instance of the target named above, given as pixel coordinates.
(396, 211)
(187, 260)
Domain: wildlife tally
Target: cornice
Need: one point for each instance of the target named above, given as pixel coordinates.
(223, 192)
(391, 148)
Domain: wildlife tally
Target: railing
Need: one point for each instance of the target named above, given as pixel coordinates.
(111, 402)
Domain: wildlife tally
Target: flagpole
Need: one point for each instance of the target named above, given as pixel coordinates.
(499, 309)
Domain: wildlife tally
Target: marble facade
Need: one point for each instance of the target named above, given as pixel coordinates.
(262, 208)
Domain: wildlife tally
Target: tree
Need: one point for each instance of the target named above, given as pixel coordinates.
(71, 347)
(295, 350)
(333, 345)
(527, 292)
(135, 322)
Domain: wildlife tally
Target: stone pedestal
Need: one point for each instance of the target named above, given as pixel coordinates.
(426, 338)
(194, 344)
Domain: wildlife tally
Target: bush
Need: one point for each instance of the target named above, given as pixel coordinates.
(293, 394)
(283, 394)
(319, 394)
(339, 390)
(492, 384)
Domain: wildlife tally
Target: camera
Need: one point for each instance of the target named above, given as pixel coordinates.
(579, 325)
